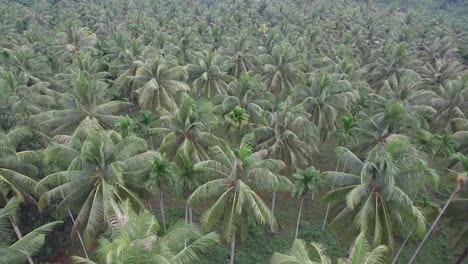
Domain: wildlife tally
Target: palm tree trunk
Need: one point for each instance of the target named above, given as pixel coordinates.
(413, 258)
(328, 211)
(18, 234)
(233, 250)
(79, 235)
(407, 237)
(190, 214)
(186, 223)
(299, 216)
(462, 256)
(273, 202)
(151, 143)
(402, 246)
(161, 205)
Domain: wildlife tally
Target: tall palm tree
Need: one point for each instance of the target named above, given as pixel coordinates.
(135, 238)
(162, 171)
(27, 246)
(188, 179)
(103, 169)
(161, 84)
(237, 177)
(305, 183)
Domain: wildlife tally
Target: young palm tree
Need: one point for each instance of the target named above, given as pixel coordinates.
(103, 169)
(27, 246)
(237, 177)
(299, 254)
(362, 253)
(126, 126)
(306, 183)
(135, 238)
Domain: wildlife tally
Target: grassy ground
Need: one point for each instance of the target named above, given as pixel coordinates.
(261, 244)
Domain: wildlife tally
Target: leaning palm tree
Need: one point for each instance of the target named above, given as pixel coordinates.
(237, 203)
(306, 183)
(299, 254)
(103, 169)
(161, 84)
(135, 238)
(26, 246)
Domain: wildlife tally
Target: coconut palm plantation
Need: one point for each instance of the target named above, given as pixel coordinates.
(233, 131)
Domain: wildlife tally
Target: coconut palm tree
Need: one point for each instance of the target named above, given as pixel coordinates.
(86, 103)
(188, 179)
(246, 93)
(17, 169)
(281, 70)
(299, 253)
(289, 137)
(162, 171)
(451, 103)
(104, 168)
(161, 84)
(305, 183)
(363, 253)
(237, 176)
(325, 98)
(209, 73)
(135, 238)
(185, 133)
(126, 126)
(374, 201)
(26, 246)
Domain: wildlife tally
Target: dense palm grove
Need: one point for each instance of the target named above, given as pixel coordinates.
(152, 131)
